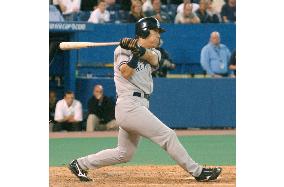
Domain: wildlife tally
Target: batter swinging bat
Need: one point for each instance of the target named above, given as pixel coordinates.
(79, 45)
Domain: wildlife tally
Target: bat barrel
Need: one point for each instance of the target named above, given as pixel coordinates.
(79, 45)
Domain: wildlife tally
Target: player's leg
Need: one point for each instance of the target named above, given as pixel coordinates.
(142, 121)
(127, 144)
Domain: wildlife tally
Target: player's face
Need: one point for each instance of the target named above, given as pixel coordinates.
(153, 40)
(69, 98)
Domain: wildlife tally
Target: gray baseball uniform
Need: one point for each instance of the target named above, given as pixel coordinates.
(135, 119)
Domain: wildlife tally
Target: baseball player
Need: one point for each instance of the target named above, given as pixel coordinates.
(134, 61)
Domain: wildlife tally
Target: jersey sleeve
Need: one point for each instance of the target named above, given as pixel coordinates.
(121, 56)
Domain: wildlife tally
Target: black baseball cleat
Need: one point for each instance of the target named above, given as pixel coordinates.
(78, 171)
(209, 174)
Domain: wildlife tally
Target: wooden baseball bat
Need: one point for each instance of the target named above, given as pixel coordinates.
(79, 45)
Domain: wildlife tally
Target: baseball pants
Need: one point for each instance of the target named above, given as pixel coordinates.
(135, 120)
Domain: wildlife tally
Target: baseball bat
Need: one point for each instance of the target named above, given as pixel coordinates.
(79, 45)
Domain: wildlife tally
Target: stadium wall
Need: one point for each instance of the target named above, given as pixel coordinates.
(181, 103)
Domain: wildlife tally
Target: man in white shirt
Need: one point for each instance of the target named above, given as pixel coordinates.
(68, 6)
(100, 14)
(180, 8)
(68, 114)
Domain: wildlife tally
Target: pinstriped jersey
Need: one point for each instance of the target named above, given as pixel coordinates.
(140, 81)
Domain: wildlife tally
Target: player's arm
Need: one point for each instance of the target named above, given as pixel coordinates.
(140, 52)
(151, 57)
(126, 71)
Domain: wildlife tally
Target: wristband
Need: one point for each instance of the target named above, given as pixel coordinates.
(133, 63)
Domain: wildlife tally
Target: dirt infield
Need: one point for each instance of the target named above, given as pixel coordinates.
(138, 176)
(189, 132)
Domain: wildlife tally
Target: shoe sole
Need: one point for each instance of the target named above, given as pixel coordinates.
(83, 179)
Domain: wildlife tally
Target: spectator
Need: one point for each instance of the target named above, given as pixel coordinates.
(187, 16)
(203, 15)
(213, 12)
(147, 5)
(232, 64)
(68, 114)
(69, 8)
(101, 111)
(228, 11)
(165, 63)
(100, 14)
(56, 3)
(158, 13)
(180, 8)
(136, 12)
(215, 58)
(55, 14)
(217, 5)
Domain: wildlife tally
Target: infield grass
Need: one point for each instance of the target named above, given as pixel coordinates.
(204, 149)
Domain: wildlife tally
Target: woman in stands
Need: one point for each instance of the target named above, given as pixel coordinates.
(136, 12)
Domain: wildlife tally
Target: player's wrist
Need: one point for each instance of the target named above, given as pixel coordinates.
(133, 63)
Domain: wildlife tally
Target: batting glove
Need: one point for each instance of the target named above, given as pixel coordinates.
(131, 44)
(128, 43)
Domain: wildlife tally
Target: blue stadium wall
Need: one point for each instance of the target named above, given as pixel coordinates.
(180, 103)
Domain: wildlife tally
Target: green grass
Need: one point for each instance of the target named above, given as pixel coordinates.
(205, 149)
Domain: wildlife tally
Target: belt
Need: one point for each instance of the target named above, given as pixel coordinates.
(146, 96)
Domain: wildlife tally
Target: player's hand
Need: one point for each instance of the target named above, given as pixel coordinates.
(128, 43)
(131, 44)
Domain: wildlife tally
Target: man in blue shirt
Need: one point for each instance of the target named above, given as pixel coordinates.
(215, 57)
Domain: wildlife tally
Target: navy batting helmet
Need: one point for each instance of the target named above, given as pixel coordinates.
(144, 25)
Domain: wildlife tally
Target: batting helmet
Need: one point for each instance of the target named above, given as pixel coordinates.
(144, 25)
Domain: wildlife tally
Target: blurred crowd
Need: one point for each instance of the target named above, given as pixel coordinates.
(130, 11)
